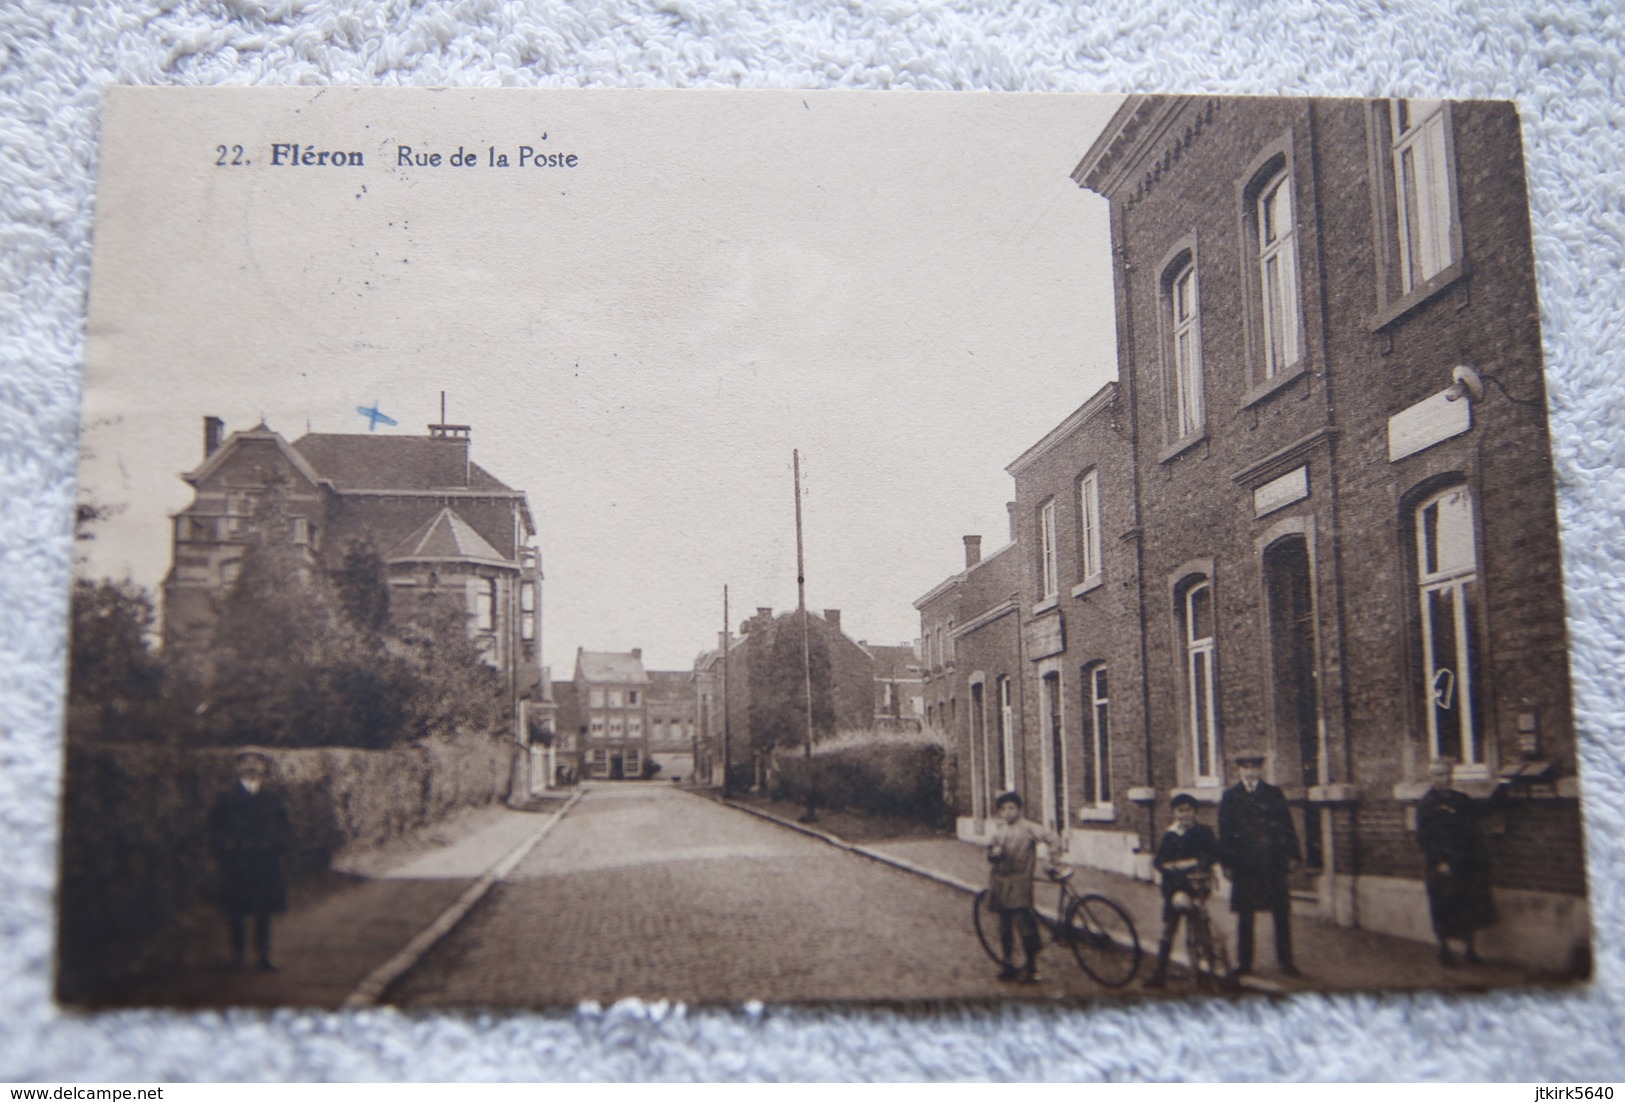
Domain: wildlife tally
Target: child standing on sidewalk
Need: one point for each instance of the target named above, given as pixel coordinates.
(1013, 854)
(1188, 847)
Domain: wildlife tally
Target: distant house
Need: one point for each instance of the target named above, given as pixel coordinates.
(612, 698)
(673, 729)
(899, 686)
(442, 524)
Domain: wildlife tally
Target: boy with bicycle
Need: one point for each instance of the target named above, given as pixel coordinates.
(1185, 858)
(1013, 854)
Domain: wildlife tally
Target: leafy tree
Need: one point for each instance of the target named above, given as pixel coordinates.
(363, 589)
(778, 683)
(111, 666)
(454, 690)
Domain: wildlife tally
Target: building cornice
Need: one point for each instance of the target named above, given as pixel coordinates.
(1140, 143)
(1102, 399)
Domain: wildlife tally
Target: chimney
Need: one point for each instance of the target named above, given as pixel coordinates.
(973, 550)
(1010, 507)
(637, 652)
(832, 617)
(449, 463)
(213, 429)
(764, 614)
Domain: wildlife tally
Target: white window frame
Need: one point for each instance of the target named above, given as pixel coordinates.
(1049, 567)
(1185, 318)
(1452, 583)
(485, 604)
(1007, 740)
(1052, 712)
(1097, 736)
(632, 762)
(1421, 190)
(1278, 275)
(598, 763)
(1089, 529)
(1201, 684)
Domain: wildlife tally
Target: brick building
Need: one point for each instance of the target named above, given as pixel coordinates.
(612, 703)
(673, 724)
(899, 686)
(1327, 526)
(443, 525)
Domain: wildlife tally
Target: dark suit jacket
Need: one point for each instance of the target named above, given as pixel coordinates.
(1257, 843)
(249, 833)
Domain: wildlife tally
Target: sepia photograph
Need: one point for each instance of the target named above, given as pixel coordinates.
(537, 547)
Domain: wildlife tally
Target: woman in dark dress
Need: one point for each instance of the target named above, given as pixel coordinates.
(1458, 863)
(249, 832)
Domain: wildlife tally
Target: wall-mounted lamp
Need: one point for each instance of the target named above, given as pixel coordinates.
(1464, 383)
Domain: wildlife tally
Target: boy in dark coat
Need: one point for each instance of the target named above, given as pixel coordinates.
(1188, 847)
(249, 832)
(1458, 863)
(1258, 846)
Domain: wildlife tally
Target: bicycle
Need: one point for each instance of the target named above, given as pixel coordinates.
(1099, 932)
(1204, 945)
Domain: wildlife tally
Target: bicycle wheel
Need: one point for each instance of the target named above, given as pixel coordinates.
(1199, 946)
(1103, 939)
(986, 918)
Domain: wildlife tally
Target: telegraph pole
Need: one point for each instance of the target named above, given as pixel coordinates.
(806, 650)
(726, 791)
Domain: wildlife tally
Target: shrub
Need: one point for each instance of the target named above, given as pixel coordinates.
(879, 773)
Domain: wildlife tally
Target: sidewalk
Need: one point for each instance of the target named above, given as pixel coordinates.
(345, 925)
(1332, 958)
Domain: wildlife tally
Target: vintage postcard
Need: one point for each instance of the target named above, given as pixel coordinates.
(542, 546)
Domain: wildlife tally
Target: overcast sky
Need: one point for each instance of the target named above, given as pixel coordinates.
(905, 286)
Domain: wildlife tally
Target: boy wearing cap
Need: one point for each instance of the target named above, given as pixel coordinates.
(1258, 846)
(1188, 847)
(1013, 854)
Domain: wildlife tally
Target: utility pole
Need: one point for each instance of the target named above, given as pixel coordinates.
(811, 815)
(726, 791)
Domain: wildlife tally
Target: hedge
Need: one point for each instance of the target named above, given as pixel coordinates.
(887, 776)
(135, 863)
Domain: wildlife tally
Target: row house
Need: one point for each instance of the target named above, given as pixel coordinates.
(444, 526)
(612, 713)
(1314, 518)
(899, 686)
(673, 725)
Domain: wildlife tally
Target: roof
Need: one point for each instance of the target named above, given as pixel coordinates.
(620, 667)
(359, 461)
(300, 463)
(446, 537)
(895, 662)
(1100, 400)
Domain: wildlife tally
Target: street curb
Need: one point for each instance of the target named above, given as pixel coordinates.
(380, 979)
(1249, 983)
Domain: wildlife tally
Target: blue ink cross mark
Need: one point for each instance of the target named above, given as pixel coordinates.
(374, 416)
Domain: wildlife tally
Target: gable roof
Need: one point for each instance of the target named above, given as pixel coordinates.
(896, 662)
(357, 461)
(447, 537)
(621, 667)
(261, 431)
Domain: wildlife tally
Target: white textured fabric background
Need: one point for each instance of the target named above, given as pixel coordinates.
(1564, 63)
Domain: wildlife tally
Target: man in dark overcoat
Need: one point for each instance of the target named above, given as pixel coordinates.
(1258, 846)
(1457, 871)
(249, 833)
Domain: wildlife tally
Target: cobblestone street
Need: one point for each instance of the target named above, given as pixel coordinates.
(648, 891)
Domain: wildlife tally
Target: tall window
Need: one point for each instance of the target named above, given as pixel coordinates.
(1046, 553)
(1089, 526)
(1007, 726)
(1201, 715)
(1421, 189)
(1184, 321)
(1278, 274)
(1055, 749)
(1097, 784)
(527, 611)
(1447, 575)
(485, 604)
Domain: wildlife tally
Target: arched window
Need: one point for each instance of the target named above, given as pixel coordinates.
(1194, 609)
(1278, 274)
(1447, 582)
(1182, 308)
